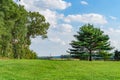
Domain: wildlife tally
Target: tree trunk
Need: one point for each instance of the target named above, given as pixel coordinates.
(90, 55)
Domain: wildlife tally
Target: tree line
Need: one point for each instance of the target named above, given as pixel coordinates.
(17, 27)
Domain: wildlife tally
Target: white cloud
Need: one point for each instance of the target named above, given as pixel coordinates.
(45, 4)
(51, 17)
(112, 30)
(64, 28)
(54, 4)
(47, 8)
(87, 18)
(113, 18)
(57, 40)
(115, 44)
(84, 3)
(114, 36)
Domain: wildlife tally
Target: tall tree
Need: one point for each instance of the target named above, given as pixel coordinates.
(17, 26)
(89, 39)
(7, 23)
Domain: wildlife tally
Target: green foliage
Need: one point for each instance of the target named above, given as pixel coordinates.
(117, 55)
(105, 55)
(30, 54)
(17, 26)
(58, 70)
(88, 40)
(81, 56)
(36, 24)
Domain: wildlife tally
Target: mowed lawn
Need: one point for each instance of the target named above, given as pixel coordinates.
(59, 70)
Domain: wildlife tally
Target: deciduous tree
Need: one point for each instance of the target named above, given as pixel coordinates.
(17, 27)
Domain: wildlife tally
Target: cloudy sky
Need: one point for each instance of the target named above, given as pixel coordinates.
(66, 16)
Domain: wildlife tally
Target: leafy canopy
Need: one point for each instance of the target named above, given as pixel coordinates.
(17, 26)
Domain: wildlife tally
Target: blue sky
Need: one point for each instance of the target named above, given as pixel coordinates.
(66, 16)
(105, 7)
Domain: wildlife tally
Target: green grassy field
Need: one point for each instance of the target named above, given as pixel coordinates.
(58, 70)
